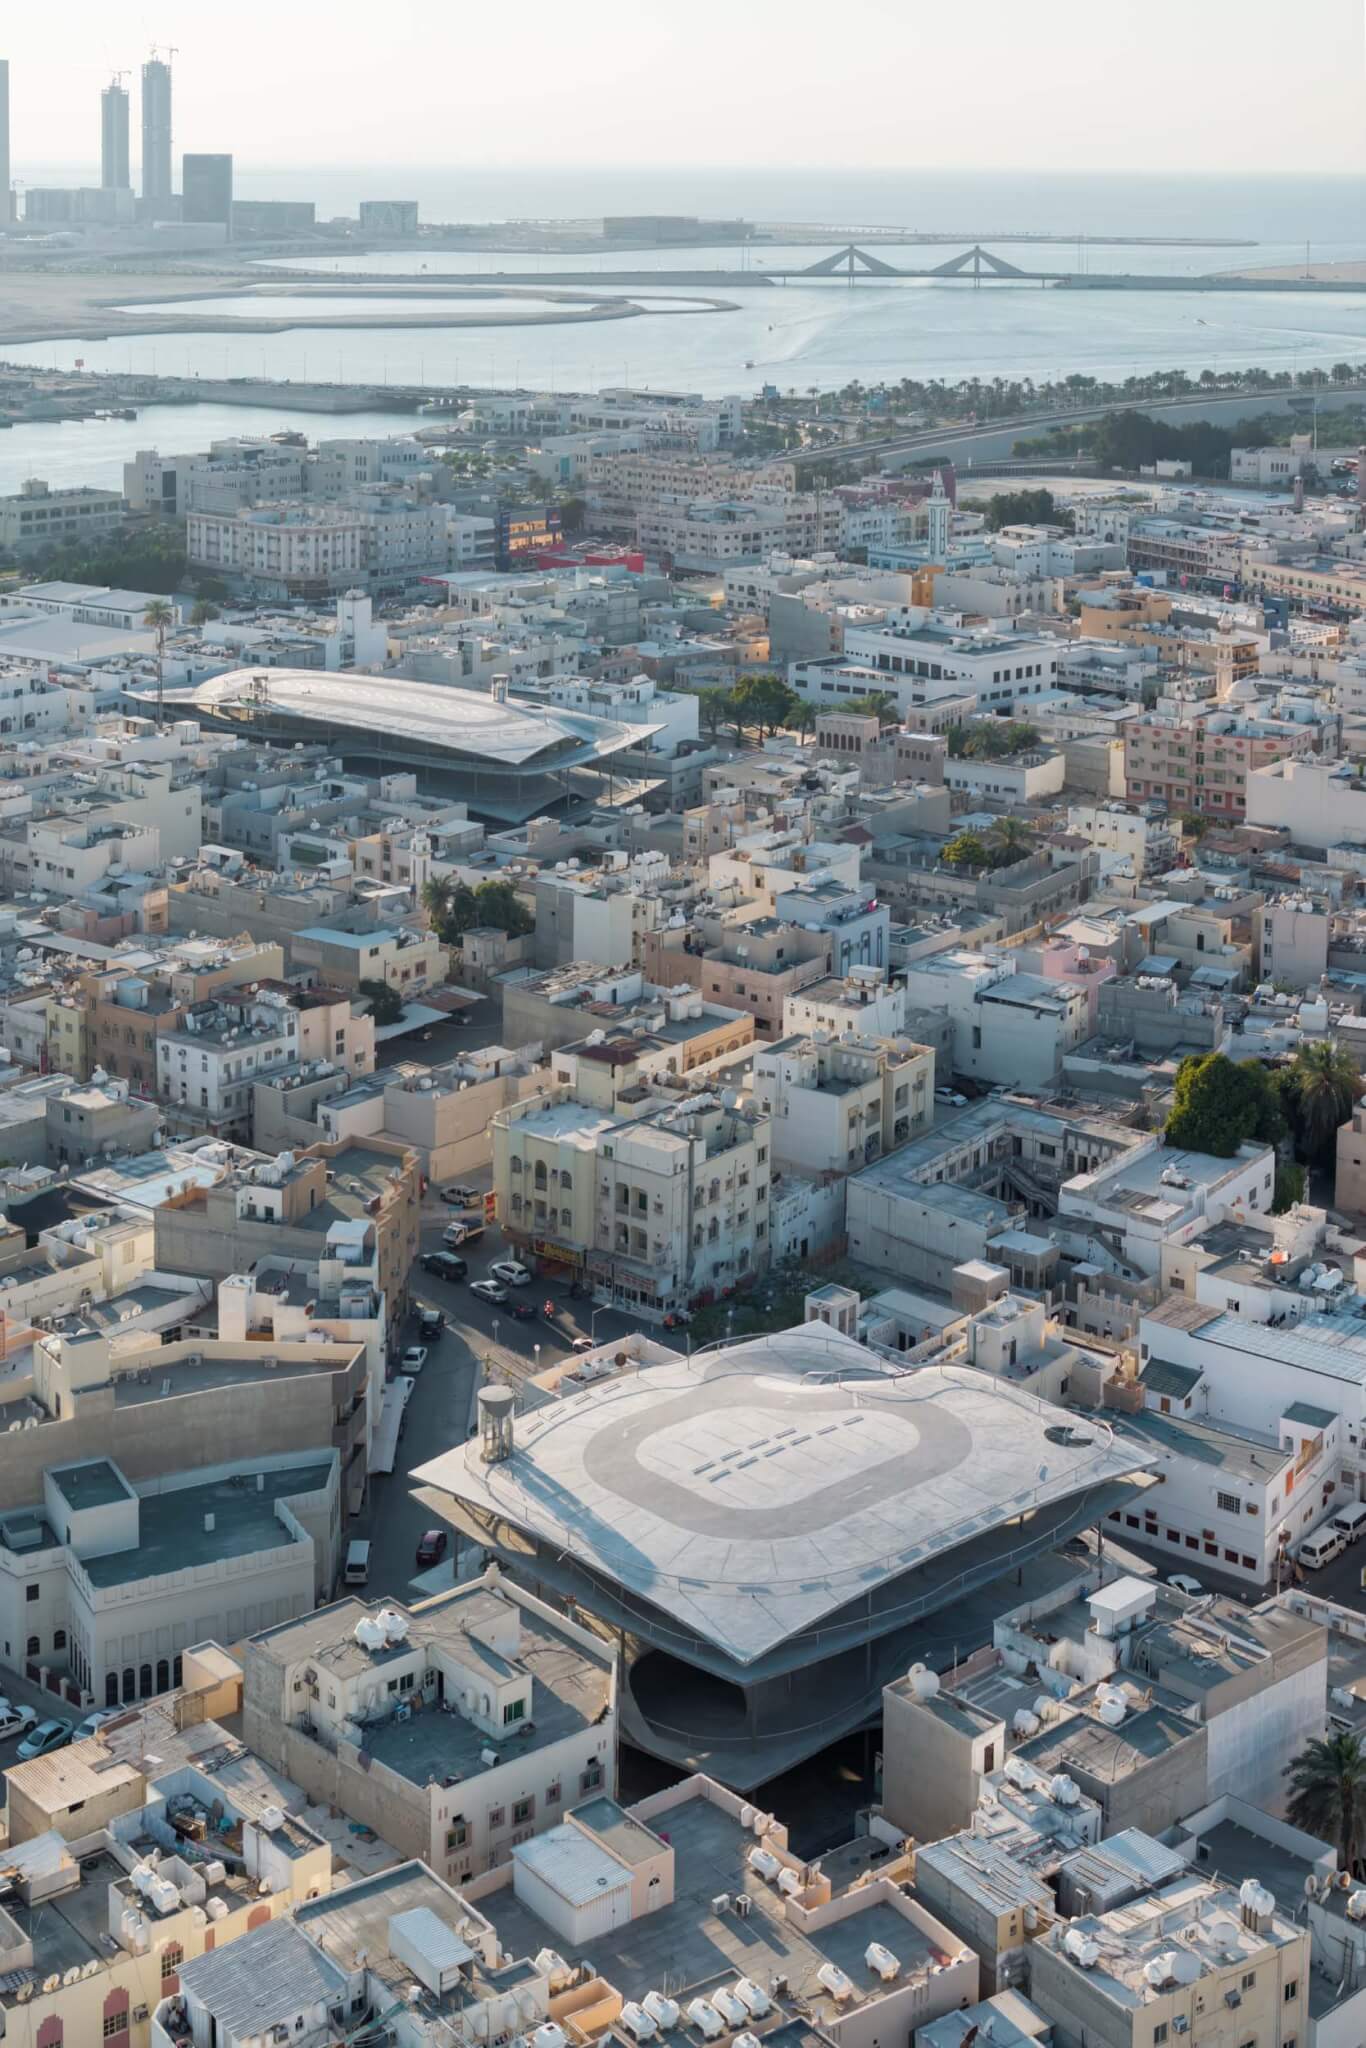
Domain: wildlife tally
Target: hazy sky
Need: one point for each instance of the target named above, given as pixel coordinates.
(1085, 85)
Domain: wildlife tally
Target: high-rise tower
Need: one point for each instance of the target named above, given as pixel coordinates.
(156, 137)
(114, 171)
(6, 200)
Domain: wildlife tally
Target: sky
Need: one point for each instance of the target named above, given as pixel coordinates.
(1072, 85)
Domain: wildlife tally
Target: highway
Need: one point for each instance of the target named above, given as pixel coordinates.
(993, 440)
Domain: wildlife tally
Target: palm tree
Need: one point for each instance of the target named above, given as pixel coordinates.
(202, 612)
(1328, 1795)
(1011, 836)
(159, 615)
(1327, 1082)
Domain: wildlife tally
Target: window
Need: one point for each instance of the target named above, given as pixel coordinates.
(59, 1639)
(552, 1795)
(1292, 1992)
(497, 1818)
(1249, 1979)
(523, 1810)
(115, 2024)
(172, 1956)
(513, 1711)
(1228, 1503)
(590, 1779)
(32, 1592)
(457, 1834)
(1159, 2033)
(145, 1681)
(31, 1647)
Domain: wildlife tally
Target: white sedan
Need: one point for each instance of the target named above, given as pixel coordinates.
(510, 1273)
(15, 1720)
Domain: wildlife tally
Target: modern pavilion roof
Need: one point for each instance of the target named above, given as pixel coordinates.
(751, 1493)
(434, 716)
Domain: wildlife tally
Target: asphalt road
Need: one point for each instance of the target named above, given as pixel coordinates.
(479, 1336)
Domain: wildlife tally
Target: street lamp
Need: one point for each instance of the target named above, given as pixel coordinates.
(496, 1327)
(593, 1319)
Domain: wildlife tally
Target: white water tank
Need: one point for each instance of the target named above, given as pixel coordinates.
(753, 1996)
(706, 2019)
(638, 2022)
(881, 1961)
(765, 1863)
(836, 1983)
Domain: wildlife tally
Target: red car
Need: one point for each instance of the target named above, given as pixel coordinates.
(432, 1548)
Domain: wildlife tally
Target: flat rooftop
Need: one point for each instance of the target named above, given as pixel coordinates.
(750, 1493)
(95, 1484)
(171, 1532)
(689, 1943)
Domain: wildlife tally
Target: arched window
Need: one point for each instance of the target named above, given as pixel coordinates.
(144, 1682)
(50, 2032)
(116, 2016)
(111, 1689)
(31, 1647)
(130, 1684)
(59, 1639)
(163, 1674)
(257, 1917)
(175, 1672)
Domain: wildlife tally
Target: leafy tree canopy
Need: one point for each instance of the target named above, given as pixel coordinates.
(1219, 1104)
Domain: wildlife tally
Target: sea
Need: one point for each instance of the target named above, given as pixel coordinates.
(800, 336)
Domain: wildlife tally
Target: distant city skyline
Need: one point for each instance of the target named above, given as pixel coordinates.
(1156, 85)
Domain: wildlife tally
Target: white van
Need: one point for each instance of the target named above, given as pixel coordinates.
(357, 1571)
(1350, 1521)
(1320, 1548)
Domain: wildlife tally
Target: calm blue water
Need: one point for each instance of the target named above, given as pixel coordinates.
(797, 336)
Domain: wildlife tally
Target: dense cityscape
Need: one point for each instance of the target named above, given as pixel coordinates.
(682, 1124)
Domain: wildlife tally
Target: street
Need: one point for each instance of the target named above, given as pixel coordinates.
(439, 1413)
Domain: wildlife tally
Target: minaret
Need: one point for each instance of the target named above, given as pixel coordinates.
(939, 510)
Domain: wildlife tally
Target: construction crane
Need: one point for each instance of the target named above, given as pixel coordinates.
(117, 77)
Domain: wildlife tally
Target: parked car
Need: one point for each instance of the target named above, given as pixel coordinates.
(405, 1383)
(432, 1547)
(584, 1344)
(461, 1196)
(92, 1723)
(430, 1321)
(445, 1265)
(524, 1311)
(47, 1736)
(1184, 1583)
(414, 1358)
(15, 1720)
(511, 1272)
(951, 1095)
(488, 1290)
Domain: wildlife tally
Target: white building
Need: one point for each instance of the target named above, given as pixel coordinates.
(1028, 778)
(209, 1064)
(1319, 803)
(1130, 1209)
(1148, 843)
(1009, 1028)
(128, 1580)
(39, 516)
(524, 1701)
(836, 1105)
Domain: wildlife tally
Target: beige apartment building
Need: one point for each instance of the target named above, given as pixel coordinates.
(456, 1728)
(407, 961)
(664, 1208)
(1202, 763)
(752, 966)
(1191, 1963)
(115, 1017)
(362, 1194)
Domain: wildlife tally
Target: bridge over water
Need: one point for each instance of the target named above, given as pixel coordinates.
(852, 265)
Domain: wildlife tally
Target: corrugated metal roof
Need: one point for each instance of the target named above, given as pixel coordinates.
(262, 1979)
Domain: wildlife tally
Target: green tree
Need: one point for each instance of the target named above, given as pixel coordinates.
(1322, 1083)
(713, 709)
(201, 612)
(160, 616)
(1026, 508)
(965, 850)
(1010, 840)
(991, 739)
(765, 702)
(1289, 1187)
(498, 905)
(573, 512)
(1219, 1104)
(878, 704)
(1328, 1792)
(386, 1004)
